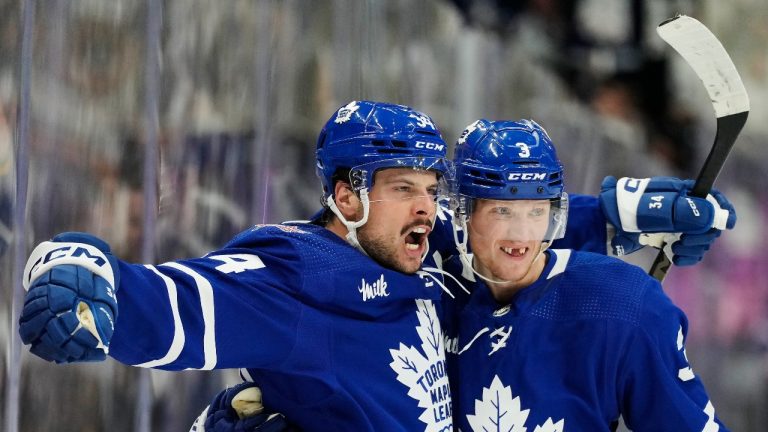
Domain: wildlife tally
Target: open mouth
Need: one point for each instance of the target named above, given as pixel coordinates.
(515, 251)
(416, 237)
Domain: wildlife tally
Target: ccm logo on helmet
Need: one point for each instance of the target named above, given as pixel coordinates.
(527, 176)
(429, 145)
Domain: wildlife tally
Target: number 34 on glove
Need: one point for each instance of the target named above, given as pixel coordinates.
(659, 210)
(70, 306)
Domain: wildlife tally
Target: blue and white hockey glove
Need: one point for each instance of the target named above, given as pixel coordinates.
(70, 306)
(658, 210)
(239, 409)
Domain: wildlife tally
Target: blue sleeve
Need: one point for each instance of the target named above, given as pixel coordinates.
(657, 387)
(586, 229)
(236, 307)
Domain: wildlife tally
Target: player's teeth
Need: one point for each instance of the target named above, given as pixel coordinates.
(420, 230)
(509, 250)
(411, 246)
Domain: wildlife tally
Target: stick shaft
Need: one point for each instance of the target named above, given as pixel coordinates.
(728, 129)
(707, 57)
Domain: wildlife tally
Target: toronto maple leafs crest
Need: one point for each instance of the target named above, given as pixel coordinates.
(468, 130)
(423, 370)
(345, 112)
(499, 411)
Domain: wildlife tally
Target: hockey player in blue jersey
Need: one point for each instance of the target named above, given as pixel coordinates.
(555, 339)
(336, 319)
(333, 318)
(223, 416)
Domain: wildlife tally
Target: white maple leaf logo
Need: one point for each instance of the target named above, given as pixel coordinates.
(468, 130)
(345, 112)
(423, 371)
(550, 426)
(499, 411)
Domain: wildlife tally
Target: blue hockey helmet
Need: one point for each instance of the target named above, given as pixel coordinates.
(365, 136)
(509, 160)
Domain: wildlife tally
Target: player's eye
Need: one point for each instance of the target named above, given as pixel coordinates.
(539, 211)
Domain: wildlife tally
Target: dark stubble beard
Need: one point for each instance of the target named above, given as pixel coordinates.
(381, 251)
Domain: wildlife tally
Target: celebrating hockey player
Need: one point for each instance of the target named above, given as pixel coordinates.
(554, 339)
(337, 319)
(223, 415)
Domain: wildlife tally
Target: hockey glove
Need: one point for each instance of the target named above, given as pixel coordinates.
(70, 306)
(239, 409)
(658, 211)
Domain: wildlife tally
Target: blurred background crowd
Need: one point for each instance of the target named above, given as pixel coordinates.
(167, 126)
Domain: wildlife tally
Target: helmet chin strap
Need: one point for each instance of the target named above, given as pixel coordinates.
(466, 260)
(460, 224)
(461, 245)
(354, 225)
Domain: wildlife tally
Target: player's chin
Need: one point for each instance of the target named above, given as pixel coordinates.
(510, 275)
(397, 259)
(511, 268)
(407, 261)
(409, 264)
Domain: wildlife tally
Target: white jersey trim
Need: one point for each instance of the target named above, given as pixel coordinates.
(179, 338)
(205, 291)
(562, 256)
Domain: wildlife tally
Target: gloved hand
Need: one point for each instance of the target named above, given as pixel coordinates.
(239, 409)
(70, 306)
(658, 210)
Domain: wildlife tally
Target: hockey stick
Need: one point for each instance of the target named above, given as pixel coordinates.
(706, 55)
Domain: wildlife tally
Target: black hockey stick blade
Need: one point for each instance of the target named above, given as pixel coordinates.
(711, 63)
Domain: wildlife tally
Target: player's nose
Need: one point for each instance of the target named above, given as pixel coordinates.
(423, 205)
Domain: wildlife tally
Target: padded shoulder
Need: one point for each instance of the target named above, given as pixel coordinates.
(594, 286)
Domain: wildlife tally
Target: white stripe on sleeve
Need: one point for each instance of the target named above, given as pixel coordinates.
(178, 327)
(205, 290)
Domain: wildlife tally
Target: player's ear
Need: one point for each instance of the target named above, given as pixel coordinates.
(346, 199)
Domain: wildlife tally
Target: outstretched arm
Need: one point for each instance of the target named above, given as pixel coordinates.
(186, 314)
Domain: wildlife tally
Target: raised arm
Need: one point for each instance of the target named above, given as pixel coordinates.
(196, 313)
(660, 210)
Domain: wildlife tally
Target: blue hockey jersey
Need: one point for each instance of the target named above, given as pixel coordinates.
(592, 339)
(335, 341)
